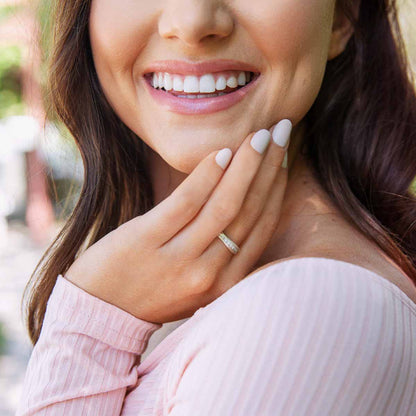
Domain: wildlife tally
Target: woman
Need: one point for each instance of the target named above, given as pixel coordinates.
(307, 305)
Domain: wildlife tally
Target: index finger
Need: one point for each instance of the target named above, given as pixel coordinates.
(168, 217)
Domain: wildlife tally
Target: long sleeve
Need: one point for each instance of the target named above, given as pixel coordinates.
(300, 340)
(86, 356)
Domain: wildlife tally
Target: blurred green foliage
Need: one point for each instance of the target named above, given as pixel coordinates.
(10, 83)
(413, 188)
(11, 102)
(46, 29)
(7, 10)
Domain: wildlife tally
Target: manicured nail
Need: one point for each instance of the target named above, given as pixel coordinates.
(260, 140)
(223, 157)
(284, 164)
(281, 133)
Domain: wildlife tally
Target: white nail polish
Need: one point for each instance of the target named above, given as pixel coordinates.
(260, 140)
(281, 133)
(223, 157)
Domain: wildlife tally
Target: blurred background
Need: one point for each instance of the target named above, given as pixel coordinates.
(41, 171)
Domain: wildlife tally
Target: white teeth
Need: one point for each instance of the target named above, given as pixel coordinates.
(207, 83)
(204, 84)
(168, 83)
(232, 82)
(155, 80)
(177, 83)
(191, 84)
(221, 83)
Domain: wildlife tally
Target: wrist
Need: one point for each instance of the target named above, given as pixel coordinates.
(101, 283)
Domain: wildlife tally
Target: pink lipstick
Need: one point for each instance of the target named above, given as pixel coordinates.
(197, 100)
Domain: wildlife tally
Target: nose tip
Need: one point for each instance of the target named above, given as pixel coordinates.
(197, 21)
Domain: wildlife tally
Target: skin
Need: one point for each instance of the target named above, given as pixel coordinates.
(292, 65)
(290, 42)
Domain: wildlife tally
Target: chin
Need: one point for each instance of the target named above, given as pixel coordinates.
(184, 156)
(185, 163)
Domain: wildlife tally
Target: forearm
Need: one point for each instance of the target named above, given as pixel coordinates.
(86, 356)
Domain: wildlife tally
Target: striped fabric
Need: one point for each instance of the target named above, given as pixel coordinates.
(304, 337)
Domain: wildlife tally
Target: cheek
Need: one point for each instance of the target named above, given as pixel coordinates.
(113, 24)
(119, 30)
(289, 26)
(294, 38)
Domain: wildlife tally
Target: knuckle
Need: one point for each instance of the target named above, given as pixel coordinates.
(201, 282)
(186, 203)
(273, 164)
(253, 206)
(225, 210)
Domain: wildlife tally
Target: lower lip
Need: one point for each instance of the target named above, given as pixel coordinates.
(199, 105)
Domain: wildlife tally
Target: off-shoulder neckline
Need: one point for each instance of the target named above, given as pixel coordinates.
(372, 274)
(178, 333)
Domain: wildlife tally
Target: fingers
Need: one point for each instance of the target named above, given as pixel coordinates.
(226, 200)
(236, 267)
(268, 187)
(259, 237)
(259, 191)
(174, 212)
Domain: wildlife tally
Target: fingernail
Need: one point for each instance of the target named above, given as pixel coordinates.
(284, 164)
(223, 157)
(260, 140)
(281, 133)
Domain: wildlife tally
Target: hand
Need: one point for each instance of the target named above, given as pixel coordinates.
(164, 265)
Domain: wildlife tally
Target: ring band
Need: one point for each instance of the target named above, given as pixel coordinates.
(233, 247)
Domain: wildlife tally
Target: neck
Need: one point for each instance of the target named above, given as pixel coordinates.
(305, 214)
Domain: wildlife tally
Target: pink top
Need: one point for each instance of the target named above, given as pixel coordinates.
(304, 337)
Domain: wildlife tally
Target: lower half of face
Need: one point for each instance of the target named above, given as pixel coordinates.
(284, 42)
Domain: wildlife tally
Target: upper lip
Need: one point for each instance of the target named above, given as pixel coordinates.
(199, 68)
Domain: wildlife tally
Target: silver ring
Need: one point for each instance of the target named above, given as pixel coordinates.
(233, 247)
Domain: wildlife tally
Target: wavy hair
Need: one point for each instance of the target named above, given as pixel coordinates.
(361, 143)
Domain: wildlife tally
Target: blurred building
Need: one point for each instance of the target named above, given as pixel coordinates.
(32, 152)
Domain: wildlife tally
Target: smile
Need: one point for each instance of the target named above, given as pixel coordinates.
(208, 93)
(203, 86)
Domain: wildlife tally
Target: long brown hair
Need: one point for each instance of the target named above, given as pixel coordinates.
(361, 143)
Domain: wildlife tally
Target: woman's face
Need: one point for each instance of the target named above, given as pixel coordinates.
(284, 42)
